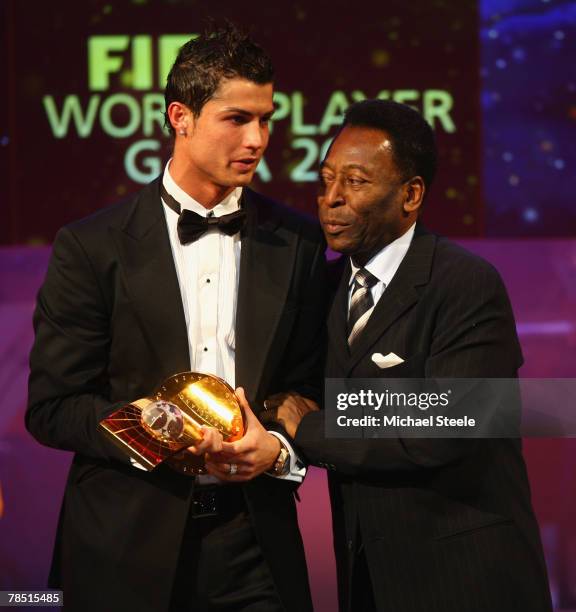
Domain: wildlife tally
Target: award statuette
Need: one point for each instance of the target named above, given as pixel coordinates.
(160, 427)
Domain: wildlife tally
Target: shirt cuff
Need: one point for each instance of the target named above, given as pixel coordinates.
(297, 469)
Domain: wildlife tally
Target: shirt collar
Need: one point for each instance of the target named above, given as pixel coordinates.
(230, 204)
(387, 261)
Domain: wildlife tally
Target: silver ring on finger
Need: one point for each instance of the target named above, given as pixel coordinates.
(233, 469)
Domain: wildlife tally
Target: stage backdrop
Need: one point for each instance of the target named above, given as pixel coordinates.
(86, 117)
(81, 127)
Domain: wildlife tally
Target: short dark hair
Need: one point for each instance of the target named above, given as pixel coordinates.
(413, 142)
(220, 52)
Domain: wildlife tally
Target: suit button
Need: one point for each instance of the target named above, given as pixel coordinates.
(350, 545)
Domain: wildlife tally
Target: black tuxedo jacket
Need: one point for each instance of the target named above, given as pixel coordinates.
(445, 524)
(109, 327)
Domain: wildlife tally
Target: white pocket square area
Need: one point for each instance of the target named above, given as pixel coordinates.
(386, 361)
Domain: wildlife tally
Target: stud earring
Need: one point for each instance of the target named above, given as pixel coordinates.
(182, 132)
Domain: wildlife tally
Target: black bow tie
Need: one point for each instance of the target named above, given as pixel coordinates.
(191, 225)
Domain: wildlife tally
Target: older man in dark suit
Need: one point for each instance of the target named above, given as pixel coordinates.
(420, 524)
(194, 272)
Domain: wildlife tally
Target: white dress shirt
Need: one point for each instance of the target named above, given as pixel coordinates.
(384, 266)
(208, 272)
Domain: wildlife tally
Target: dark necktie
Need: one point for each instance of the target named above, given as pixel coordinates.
(192, 225)
(360, 303)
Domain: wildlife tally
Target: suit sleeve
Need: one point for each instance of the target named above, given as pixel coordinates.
(68, 390)
(474, 336)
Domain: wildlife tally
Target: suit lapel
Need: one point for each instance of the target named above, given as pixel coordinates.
(151, 281)
(266, 265)
(399, 296)
(337, 319)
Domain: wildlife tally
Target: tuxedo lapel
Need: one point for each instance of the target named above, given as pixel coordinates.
(337, 319)
(399, 296)
(266, 265)
(150, 276)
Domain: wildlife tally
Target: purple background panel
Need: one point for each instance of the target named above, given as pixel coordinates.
(540, 276)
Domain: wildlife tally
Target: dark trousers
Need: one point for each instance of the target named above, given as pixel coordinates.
(362, 593)
(221, 567)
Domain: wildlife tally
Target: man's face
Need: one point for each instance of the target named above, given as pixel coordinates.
(362, 194)
(227, 140)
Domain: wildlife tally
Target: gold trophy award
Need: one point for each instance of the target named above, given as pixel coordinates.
(160, 427)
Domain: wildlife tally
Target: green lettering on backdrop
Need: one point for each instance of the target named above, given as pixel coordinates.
(117, 131)
(437, 105)
(152, 113)
(142, 63)
(121, 115)
(298, 125)
(334, 112)
(357, 96)
(168, 46)
(405, 96)
(71, 111)
(263, 171)
(100, 61)
(151, 164)
(281, 107)
(103, 59)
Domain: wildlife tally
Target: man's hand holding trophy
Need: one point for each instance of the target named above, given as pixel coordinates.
(196, 424)
(252, 454)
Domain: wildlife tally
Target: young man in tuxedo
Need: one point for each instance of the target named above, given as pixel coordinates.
(194, 272)
(420, 524)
